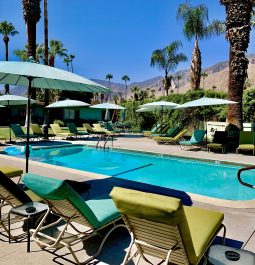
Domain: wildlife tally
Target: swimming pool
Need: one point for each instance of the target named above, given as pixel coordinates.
(199, 177)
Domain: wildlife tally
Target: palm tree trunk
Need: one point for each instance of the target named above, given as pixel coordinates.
(6, 42)
(238, 33)
(195, 68)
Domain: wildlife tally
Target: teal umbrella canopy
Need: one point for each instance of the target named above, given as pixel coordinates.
(36, 75)
(43, 76)
(68, 103)
(159, 105)
(108, 106)
(205, 102)
(13, 100)
(143, 110)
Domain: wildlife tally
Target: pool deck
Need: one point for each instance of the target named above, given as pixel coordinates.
(238, 220)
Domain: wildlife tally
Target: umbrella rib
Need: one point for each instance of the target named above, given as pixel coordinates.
(3, 77)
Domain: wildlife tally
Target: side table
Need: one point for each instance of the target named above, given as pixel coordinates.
(217, 256)
(27, 210)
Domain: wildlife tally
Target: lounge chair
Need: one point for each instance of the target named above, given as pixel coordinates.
(109, 127)
(154, 129)
(12, 172)
(174, 140)
(94, 215)
(98, 128)
(91, 130)
(58, 131)
(195, 140)
(219, 141)
(162, 227)
(73, 129)
(246, 142)
(12, 195)
(168, 132)
(19, 133)
(36, 130)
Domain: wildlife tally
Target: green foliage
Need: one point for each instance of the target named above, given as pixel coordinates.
(59, 122)
(189, 118)
(249, 105)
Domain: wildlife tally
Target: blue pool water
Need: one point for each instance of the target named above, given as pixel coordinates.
(204, 178)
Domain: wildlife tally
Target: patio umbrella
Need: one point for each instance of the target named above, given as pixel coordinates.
(68, 103)
(14, 100)
(107, 107)
(143, 110)
(31, 74)
(158, 105)
(203, 102)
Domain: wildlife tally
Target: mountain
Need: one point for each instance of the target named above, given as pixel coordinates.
(217, 79)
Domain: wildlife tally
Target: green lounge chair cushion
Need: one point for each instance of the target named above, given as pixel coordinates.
(246, 147)
(197, 226)
(55, 189)
(196, 138)
(11, 172)
(246, 138)
(203, 224)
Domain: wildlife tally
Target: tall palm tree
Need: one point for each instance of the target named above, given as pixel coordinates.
(179, 77)
(7, 29)
(67, 62)
(22, 54)
(56, 48)
(109, 77)
(167, 59)
(71, 56)
(196, 25)
(238, 29)
(125, 78)
(32, 15)
(204, 75)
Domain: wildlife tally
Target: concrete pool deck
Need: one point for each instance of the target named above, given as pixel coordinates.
(239, 222)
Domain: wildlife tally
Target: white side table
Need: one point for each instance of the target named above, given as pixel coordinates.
(217, 256)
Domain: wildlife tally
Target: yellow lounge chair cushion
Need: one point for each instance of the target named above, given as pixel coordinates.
(246, 147)
(214, 145)
(33, 196)
(197, 226)
(11, 172)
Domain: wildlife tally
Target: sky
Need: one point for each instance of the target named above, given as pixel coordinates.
(116, 37)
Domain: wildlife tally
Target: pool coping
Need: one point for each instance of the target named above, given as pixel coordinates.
(245, 204)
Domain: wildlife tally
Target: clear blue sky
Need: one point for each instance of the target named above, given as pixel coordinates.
(114, 36)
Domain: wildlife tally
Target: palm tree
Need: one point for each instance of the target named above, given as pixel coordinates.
(167, 59)
(23, 53)
(204, 75)
(196, 24)
(7, 29)
(71, 56)
(32, 15)
(126, 79)
(135, 90)
(238, 29)
(67, 61)
(109, 77)
(179, 77)
(56, 48)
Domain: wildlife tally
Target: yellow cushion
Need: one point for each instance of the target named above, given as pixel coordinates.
(203, 224)
(11, 172)
(214, 145)
(246, 147)
(33, 196)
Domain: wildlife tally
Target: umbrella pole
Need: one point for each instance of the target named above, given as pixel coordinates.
(10, 133)
(28, 121)
(161, 126)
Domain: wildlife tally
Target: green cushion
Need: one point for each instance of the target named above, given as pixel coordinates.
(55, 189)
(196, 138)
(197, 226)
(246, 147)
(11, 172)
(104, 209)
(203, 224)
(246, 138)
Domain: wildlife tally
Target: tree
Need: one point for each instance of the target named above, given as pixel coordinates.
(109, 77)
(22, 54)
(126, 79)
(196, 25)
(167, 59)
(135, 90)
(179, 77)
(67, 62)
(204, 75)
(7, 29)
(56, 48)
(32, 15)
(238, 29)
